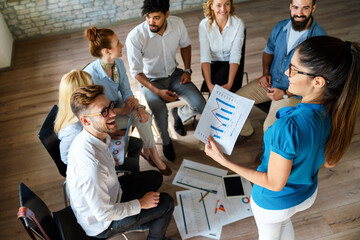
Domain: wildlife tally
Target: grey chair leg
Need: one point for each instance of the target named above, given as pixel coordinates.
(123, 234)
(194, 122)
(247, 77)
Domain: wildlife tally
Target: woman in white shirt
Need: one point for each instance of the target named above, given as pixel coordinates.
(221, 36)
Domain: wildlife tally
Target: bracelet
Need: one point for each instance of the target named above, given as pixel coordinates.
(188, 70)
(140, 106)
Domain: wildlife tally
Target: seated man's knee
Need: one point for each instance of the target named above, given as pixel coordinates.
(160, 112)
(137, 142)
(156, 179)
(167, 201)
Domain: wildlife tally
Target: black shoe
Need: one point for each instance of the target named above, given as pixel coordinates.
(178, 125)
(169, 152)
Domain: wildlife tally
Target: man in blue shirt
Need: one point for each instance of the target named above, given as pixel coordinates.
(281, 45)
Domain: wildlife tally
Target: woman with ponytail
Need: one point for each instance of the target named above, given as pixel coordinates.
(109, 71)
(325, 72)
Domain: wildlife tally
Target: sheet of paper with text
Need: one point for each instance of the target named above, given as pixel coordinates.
(223, 118)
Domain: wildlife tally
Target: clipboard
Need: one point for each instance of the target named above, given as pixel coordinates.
(127, 137)
(120, 153)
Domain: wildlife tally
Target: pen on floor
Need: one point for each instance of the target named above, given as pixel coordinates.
(217, 204)
(204, 196)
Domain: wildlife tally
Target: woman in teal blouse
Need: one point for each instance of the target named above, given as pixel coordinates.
(325, 72)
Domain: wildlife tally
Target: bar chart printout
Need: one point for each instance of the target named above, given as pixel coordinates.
(223, 118)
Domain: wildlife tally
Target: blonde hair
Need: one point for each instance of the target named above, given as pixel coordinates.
(68, 84)
(209, 13)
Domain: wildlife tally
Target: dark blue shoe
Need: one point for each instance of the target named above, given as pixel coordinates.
(169, 152)
(178, 125)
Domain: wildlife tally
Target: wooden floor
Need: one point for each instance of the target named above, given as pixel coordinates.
(30, 89)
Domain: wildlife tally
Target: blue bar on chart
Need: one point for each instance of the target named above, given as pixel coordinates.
(223, 117)
(224, 110)
(216, 129)
(225, 103)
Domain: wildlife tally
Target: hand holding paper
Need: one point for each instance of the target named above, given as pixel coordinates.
(223, 118)
(212, 150)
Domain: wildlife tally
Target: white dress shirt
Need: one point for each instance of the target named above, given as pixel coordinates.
(155, 55)
(93, 185)
(224, 46)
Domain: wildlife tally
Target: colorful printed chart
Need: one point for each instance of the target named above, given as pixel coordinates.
(223, 118)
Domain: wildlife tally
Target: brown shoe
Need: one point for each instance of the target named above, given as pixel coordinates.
(148, 159)
(167, 171)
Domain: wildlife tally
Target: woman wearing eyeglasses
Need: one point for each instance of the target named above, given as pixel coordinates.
(325, 72)
(109, 71)
(68, 126)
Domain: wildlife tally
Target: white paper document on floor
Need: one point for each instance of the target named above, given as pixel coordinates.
(197, 176)
(223, 117)
(194, 217)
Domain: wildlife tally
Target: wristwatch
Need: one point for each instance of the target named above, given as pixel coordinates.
(285, 95)
(140, 106)
(188, 70)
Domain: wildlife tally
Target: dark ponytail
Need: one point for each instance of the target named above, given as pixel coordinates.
(337, 62)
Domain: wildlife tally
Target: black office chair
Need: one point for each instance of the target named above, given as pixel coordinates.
(265, 106)
(40, 222)
(50, 140)
(205, 90)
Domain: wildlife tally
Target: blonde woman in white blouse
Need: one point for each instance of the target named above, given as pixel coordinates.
(221, 36)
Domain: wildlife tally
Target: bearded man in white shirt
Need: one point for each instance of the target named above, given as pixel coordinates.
(103, 203)
(151, 49)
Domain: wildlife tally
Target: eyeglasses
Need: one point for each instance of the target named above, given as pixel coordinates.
(105, 111)
(293, 72)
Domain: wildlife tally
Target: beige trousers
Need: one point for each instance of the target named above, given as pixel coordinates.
(257, 93)
(145, 130)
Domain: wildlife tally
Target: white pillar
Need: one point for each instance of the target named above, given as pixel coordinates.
(6, 44)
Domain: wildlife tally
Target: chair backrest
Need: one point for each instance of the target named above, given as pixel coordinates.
(242, 61)
(42, 213)
(61, 225)
(50, 140)
(68, 226)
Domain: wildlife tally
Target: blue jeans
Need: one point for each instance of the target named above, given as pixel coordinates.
(134, 186)
(187, 93)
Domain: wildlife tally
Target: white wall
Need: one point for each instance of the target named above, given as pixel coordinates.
(6, 44)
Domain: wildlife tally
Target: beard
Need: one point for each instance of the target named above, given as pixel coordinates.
(300, 26)
(103, 127)
(157, 29)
